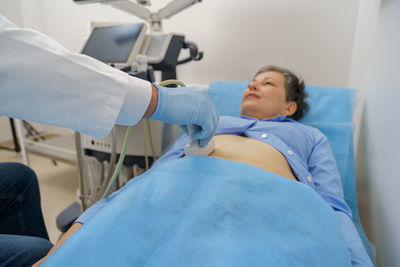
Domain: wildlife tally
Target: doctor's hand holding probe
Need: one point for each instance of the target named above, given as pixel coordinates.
(41, 81)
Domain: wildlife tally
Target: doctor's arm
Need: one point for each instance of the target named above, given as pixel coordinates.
(322, 166)
(42, 81)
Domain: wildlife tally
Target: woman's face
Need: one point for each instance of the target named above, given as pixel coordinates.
(266, 97)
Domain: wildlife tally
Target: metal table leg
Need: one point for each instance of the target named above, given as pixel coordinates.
(22, 142)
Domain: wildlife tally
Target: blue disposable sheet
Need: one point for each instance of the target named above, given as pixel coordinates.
(331, 111)
(206, 211)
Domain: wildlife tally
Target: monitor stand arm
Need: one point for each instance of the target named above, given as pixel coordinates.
(153, 18)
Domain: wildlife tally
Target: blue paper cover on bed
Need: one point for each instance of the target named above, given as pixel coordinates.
(206, 211)
(331, 111)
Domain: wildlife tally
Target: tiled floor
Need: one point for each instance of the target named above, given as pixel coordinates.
(58, 185)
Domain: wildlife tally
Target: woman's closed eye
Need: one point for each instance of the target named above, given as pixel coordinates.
(268, 83)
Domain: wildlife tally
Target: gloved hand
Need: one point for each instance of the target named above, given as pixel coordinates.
(187, 106)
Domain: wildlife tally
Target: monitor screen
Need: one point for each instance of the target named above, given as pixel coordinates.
(112, 44)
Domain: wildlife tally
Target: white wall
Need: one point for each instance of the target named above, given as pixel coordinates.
(313, 37)
(11, 9)
(378, 152)
(240, 36)
(364, 40)
(364, 43)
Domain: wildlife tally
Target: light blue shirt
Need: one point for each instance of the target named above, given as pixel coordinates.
(307, 151)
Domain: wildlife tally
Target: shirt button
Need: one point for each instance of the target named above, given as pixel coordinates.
(264, 135)
(290, 152)
(309, 179)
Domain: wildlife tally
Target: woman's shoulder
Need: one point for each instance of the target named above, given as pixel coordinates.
(310, 130)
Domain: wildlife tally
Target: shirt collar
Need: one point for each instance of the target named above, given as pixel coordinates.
(280, 118)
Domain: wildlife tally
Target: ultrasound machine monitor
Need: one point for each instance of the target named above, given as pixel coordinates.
(116, 44)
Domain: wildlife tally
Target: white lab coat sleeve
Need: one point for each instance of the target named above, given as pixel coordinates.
(136, 102)
(43, 82)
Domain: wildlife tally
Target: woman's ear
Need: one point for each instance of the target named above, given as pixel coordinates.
(290, 108)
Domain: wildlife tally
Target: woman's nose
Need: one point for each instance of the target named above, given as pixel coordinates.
(253, 86)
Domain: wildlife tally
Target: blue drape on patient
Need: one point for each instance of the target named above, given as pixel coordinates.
(205, 211)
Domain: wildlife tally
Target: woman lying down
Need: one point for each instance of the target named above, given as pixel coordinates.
(235, 207)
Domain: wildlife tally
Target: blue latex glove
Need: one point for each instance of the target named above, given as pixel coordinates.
(188, 106)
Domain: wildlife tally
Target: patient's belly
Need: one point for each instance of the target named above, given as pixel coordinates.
(251, 151)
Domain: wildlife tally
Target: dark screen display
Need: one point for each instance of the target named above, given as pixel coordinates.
(113, 43)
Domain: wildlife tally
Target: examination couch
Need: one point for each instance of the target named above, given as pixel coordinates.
(203, 211)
